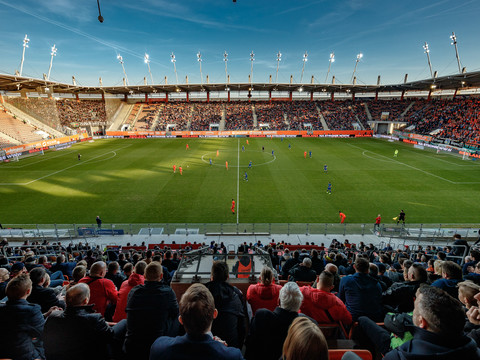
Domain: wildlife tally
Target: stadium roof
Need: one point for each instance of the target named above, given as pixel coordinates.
(13, 83)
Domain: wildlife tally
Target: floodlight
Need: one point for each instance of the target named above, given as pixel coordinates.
(146, 58)
(54, 51)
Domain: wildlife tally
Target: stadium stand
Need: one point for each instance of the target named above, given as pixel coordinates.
(204, 114)
(19, 130)
(79, 113)
(239, 116)
(174, 116)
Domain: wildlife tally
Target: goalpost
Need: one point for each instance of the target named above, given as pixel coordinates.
(466, 154)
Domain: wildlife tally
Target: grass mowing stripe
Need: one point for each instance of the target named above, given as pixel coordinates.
(238, 177)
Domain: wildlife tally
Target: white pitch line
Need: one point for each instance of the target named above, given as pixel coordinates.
(238, 175)
(36, 162)
(436, 158)
(415, 168)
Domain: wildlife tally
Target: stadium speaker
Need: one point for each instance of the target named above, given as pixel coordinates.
(100, 17)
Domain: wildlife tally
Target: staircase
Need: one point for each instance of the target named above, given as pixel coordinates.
(322, 119)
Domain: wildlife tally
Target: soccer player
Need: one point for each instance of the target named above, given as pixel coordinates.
(243, 148)
(395, 154)
(226, 164)
(272, 153)
(217, 153)
(342, 217)
(310, 154)
(263, 148)
(233, 206)
(247, 142)
(79, 156)
(250, 164)
(180, 169)
(378, 219)
(246, 176)
(186, 147)
(329, 188)
(289, 146)
(325, 169)
(304, 154)
(210, 161)
(174, 169)
(401, 217)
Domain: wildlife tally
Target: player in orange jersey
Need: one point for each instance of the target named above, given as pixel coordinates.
(186, 147)
(305, 154)
(233, 206)
(180, 169)
(217, 153)
(174, 169)
(226, 164)
(342, 217)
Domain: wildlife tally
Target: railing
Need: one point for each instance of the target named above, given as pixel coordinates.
(423, 232)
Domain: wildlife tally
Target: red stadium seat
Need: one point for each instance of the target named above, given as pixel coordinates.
(336, 354)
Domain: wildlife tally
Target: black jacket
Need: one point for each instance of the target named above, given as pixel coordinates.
(117, 279)
(289, 264)
(152, 311)
(400, 296)
(302, 273)
(231, 322)
(76, 333)
(45, 297)
(22, 325)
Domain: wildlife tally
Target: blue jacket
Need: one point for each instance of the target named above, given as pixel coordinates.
(447, 285)
(427, 345)
(192, 347)
(362, 296)
(22, 325)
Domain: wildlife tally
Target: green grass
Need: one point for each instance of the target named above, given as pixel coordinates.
(131, 181)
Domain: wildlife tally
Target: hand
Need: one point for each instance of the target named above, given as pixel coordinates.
(52, 309)
(473, 315)
(470, 269)
(216, 338)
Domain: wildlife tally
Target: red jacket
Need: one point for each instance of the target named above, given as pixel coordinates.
(102, 292)
(127, 285)
(261, 296)
(315, 302)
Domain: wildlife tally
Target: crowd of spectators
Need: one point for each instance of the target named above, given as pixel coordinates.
(301, 113)
(339, 115)
(41, 109)
(147, 117)
(204, 114)
(174, 116)
(239, 116)
(426, 300)
(272, 114)
(83, 112)
(393, 107)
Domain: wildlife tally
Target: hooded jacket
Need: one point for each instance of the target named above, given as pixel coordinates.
(127, 285)
(261, 296)
(317, 302)
(400, 296)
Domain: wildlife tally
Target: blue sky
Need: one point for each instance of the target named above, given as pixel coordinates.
(389, 33)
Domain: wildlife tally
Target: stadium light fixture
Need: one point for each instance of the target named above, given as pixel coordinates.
(252, 59)
(279, 58)
(199, 59)
(453, 37)
(225, 59)
(330, 61)
(52, 54)
(120, 60)
(427, 51)
(173, 60)
(26, 40)
(359, 57)
(305, 59)
(146, 59)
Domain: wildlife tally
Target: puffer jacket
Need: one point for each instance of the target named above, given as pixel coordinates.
(317, 302)
(261, 296)
(127, 285)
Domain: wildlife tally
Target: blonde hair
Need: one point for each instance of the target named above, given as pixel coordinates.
(437, 267)
(305, 341)
(266, 275)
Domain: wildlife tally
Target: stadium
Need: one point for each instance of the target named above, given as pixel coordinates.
(311, 208)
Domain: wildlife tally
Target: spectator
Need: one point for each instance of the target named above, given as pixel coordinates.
(317, 263)
(289, 264)
(137, 278)
(264, 295)
(65, 267)
(43, 296)
(197, 312)
(438, 333)
(305, 341)
(103, 293)
(230, 324)
(4, 277)
(114, 275)
(332, 268)
(361, 294)
(128, 270)
(269, 329)
(78, 273)
(474, 276)
(75, 332)
(303, 271)
(323, 306)
(451, 276)
(169, 263)
(152, 311)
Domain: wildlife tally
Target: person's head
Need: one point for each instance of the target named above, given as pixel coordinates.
(78, 273)
(325, 281)
(19, 287)
(4, 275)
(113, 267)
(154, 272)
(438, 312)
(451, 270)
(82, 263)
(296, 254)
(381, 268)
(437, 267)
(307, 262)
(467, 290)
(406, 266)
(98, 269)
(219, 271)
(475, 255)
(290, 297)
(17, 269)
(441, 255)
(37, 275)
(373, 270)
(77, 295)
(332, 268)
(457, 237)
(128, 269)
(362, 265)
(417, 272)
(477, 268)
(140, 267)
(266, 276)
(60, 259)
(197, 310)
(305, 341)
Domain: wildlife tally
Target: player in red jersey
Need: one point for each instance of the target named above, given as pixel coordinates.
(226, 164)
(180, 169)
(342, 217)
(304, 154)
(187, 147)
(233, 206)
(174, 169)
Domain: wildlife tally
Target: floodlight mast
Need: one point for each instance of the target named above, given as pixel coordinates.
(120, 60)
(305, 59)
(26, 40)
(427, 51)
(279, 58)
(225, 59)
(53, 53)
(453, 37)
(252, 59)
(359, 57)
(174, 66)
(146, 58)
(199, 58)
(330, 61)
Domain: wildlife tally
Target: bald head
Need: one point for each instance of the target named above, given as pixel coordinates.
(77, 295)
(98, 269)
(331, 268)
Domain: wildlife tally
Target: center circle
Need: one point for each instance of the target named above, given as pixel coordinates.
(234, 151)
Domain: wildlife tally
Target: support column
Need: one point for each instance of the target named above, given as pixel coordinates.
(166, 97)
(290, 95)
(353, 96)
(429, 95)
(103, 97)
(332, 96)
(208, 96)
(249, 94)
(125, 97)
(270, 96)
(188, 96)
(146, 98)
(403, 95)
(454, 95)
(76, 97)
(311, 95)
(228, 96)
(376, 95)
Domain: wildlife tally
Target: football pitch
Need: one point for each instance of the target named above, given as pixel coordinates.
(132, 181)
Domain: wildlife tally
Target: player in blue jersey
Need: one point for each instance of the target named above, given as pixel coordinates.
(210, 161)
(272, 153)
(289, 146)
(310, 154)
(325, 169)
(246, 176)
(250, 164)
(329, 188)
(243, 148)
